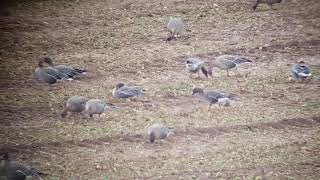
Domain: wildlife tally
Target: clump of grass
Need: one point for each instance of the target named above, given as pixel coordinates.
(311, 107)
(175, 89)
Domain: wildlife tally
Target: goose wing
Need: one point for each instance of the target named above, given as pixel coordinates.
(126, 92)
(213, 96)
(55, 73)
(19, 171)
(68, 70)
(225, 62)
(301, 70)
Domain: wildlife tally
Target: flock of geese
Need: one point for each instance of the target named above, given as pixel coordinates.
(49, 73)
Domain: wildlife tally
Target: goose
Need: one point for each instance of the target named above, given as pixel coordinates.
(213, 97)
(68, 70)
(96, 106)
(269, 2)
(48, 75)
(194, 65)
(301, 71)
(75, 104)
(13, 170)
(121, 91)
(228, 62)
(175, 26)
(159, 131)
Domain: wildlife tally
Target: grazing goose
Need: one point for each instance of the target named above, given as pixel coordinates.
(193, 65)
(122, 91)
(301, 71)
(174, 26)
(48, 75)
(269, 2)
(159, 131)
(68, 70)
(12, 170)
(228, 62)
(96, 106)
(75, 104)
(222, 98)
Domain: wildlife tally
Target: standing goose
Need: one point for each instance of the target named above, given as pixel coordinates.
(212, 97)
(301, 71)
(48, 75)
(121, 91)
(158, 131)
(269, 2)
(228, 62)
(193, 65)
(96, 106)
(68, 70)
(175, 26)
(75, 104)
(12, 170)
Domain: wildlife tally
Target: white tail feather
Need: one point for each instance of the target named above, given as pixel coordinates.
(304, 74)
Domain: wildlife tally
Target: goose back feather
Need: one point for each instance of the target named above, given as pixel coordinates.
(158, 131)
(122, 91)
(301, 70)
(74, 104)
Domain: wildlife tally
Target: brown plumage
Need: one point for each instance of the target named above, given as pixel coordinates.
(75, 104)
(227, 62)
(159, 131)
(48, 75)
(175, 26)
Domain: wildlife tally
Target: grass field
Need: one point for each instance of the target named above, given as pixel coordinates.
(271, 131)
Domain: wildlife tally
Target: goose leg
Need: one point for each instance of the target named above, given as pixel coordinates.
(228, 73)
(247, 74)
(237, 72)
(74, 116)
(209, 108)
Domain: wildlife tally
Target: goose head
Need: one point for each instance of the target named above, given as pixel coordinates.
(4, 158)
(40, 64)
(118, 86)
(171, 37)
(48, 60)
(197, 91)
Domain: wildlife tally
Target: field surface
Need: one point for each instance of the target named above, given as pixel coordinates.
(271, 130)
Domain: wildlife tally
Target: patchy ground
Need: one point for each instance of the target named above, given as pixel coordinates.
(270, 132)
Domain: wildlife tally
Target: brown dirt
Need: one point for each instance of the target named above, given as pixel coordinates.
(271, 131)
